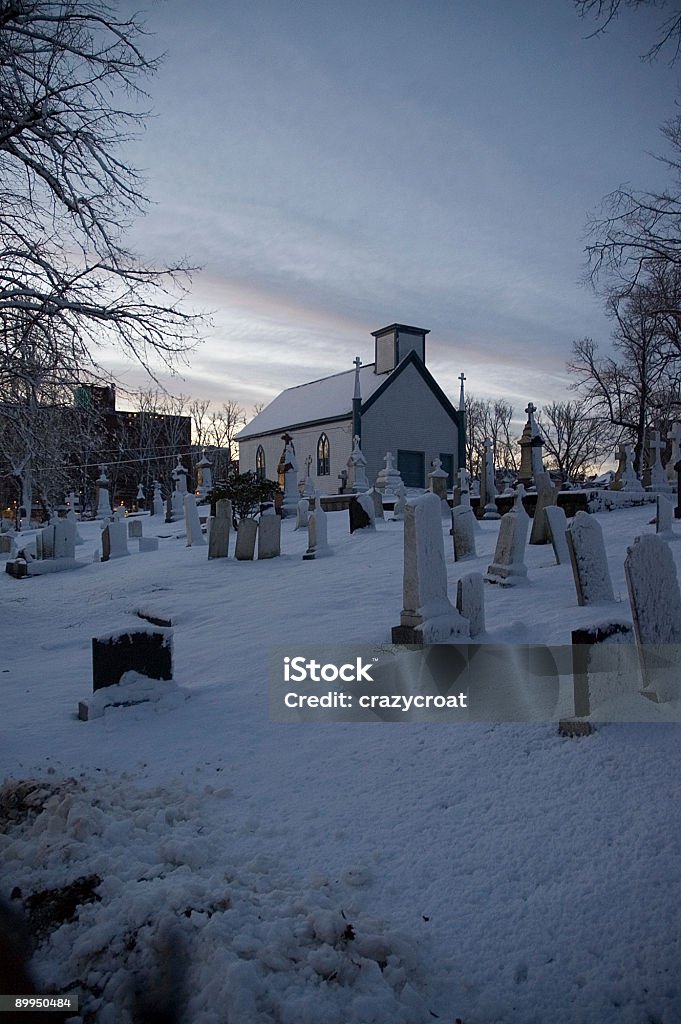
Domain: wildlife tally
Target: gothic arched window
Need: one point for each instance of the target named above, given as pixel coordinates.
(260, 463)
(323, 456)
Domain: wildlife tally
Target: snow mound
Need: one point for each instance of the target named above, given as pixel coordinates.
(133, 897)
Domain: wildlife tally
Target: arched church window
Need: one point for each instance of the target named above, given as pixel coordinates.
(260, 463)
(323, 456)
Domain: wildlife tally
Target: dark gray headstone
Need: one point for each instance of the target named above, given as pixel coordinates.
(146, 651)
(601, 669)
(359, 517)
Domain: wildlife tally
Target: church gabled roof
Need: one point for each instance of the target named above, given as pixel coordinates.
(319, 401)
(330, 398)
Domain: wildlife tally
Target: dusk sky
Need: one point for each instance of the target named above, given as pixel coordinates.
(335, 168)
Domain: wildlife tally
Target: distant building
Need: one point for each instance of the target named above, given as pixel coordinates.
(399, 407)
(136, 447)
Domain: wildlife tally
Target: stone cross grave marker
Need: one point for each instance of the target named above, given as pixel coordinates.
(589, 560)
(658, 477)
(655, 599)
(428, 616)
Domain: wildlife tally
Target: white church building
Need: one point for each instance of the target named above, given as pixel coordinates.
(394, 404)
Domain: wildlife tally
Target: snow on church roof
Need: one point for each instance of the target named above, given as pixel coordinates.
(325, 399)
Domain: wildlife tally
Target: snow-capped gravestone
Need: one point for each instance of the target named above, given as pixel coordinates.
(56, 540)
(556, 522)
(388, 479)
(463, 532)
(589, 561)
(134, 529)
(437, 480)
(218, 529)
(246, 533)
(269, 535)
(65, 538)
(144, 652)
(655, 599)
(317, 534)
(428, 616)
(361, 511)
(508, 567)
(114, 541)
(547, 496)
(664, 518)
(192, 522)
(103, 498)
(470, 601)
(302, 513)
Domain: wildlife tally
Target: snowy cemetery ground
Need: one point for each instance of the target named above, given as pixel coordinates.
(316, 872)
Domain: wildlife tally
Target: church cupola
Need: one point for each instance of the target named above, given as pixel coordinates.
(395, 342)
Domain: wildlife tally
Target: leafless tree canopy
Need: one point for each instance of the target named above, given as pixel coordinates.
(639, 387)
(668, 39)
(576, 441)
(486, 419)
(70, 96)
(636, 229)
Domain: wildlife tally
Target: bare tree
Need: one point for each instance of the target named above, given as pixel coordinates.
(67, 70)
(668, 33)
(639, 388)
(636, 229)
(575, 442)
(487, 419)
